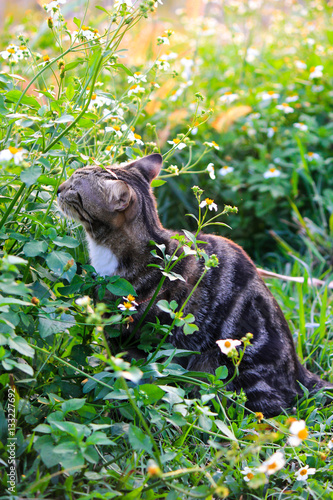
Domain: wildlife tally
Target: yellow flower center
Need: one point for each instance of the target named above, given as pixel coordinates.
(46, 58)
(95, 31)
(93, 97)
(310, 153)
(176, 141)
(259, 415)
(227, 93)
(11, 51)
(133, 87)
(137, 73)
(303, 434)
(225, 167)
(84, 28)
(137, 136)
(312, 69)
(272, 466)
(272, 169)
(108, 148)
(14, 150)
(303, 472)
(127, 305)
(214, 143)
(130, 298)
(116, 128)
(274, 128)
(209, 202)
(23, 47)
(226, 343)
(271, 92)
(249, 475)
(285, 104)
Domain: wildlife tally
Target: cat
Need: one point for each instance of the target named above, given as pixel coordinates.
(118, 211)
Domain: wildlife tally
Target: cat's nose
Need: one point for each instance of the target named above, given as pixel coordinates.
(61, 188)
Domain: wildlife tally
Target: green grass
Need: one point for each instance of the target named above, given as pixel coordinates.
(88, 424)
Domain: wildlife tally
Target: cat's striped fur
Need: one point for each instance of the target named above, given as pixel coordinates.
(118, 211)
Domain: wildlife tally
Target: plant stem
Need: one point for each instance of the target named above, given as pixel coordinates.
(12, 204)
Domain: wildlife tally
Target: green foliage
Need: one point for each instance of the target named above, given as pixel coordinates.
(88, 423)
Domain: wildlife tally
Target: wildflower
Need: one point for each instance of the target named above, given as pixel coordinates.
(251, 54)
(300, 65)
(119, 3)
(173, 169)
(272, 464)
(177, 143)
(210, 170)
(317, 88)
(163, 40)
(248, 474)
(114, 130)
(130, 298)
(162, 63)
(292, 98)
(46, 58)
(298, 431)
(228, 97)
(271, 131)
(53, 5)
(86, 33)
(154, 470)
(135, 89)
(137, 77)
(127, 306)
(301, 126)
(12, 153)
(187, 63)
(12, 53)
(259, 416)
(330, 444)
(209, 204)
(271, 172)
(303, 473)
(212, 144)
(312, 156)
(268, 96)
(225, 170)
(229, 344)
(83, 301)
(35, 301)
(285, 107)
(98, 100)
(316, 72)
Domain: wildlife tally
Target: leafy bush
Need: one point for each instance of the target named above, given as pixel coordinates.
(101, 89)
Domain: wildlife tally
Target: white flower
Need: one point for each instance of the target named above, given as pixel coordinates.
(163, 40)
(272, 172)
(330, 444)
(209, 204)
(272, 464)
(173, 169)
(135, 89)
(127, 305)
(86, 33)
(300, 65)
(131, 299)
(285, 107)
(98, 100)
(162, 63)
(83, 301)
(137, 139)
(177, 143)
(303, 473)
(298, 431)
(316, 72)
(53, 5)
(268, 96)
(12, 153)
(227, 345)
(228, 97)
(292, 98)
(119, 3)
(271, 131)
(248, 474)
(211, 171)
(114, 130)
(225, 170)
(212, 144)
(136, 78)
(251, 54)
(317, 88)
(312, 156)
(301, 126)
(12, 53)
(169, 56)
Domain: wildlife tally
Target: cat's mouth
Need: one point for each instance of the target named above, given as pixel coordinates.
(73, 208)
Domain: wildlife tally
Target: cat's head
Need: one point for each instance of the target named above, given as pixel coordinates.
(109, 198)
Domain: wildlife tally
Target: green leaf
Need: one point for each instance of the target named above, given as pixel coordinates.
(14, 96)
(157, 182)
(47, 181)
(57, 261)
(72, 405)
(45, 446)
(152, 393)
(124, 68)
(221, 372)
(35, 248)
(30, 175)
(139, 440)
(225, 430)
(190, 328)
(99, 438)
(66, 241)
(77, 22)
(64, 119)
(22, 346)
(120, 287)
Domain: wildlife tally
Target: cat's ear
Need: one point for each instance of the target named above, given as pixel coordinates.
(117, 194)
(150, 166)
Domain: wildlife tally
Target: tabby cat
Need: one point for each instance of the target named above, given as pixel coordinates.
(118, 212)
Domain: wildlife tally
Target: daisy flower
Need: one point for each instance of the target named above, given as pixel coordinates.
(272, 464)
(210, 170)
(303, 473)
(300, 65)
(301, 126)
(137, 139)
(248, 474)
(86, 33)
(135, 89)
(136, 78)
(12, 53)
(225, 170)
(271, 172)
(298, 431)
(163, 40)
(53, 5)
(162, 63)
(130, 298)
(97, 101)
(209, 204)
(251, 54)
(312, 156)
(316, 72)
(83, 301)
(228, 97)
(114, 130)
(268, 96)
(292, 98)
(177, 143)
(285, 107)
(227, 345)
(12, 153)
(271, 131)
(129, 304)
(212, 144)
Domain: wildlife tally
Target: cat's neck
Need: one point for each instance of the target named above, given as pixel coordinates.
(102, 258)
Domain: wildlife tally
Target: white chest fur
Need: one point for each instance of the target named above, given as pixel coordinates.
(102, 259)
